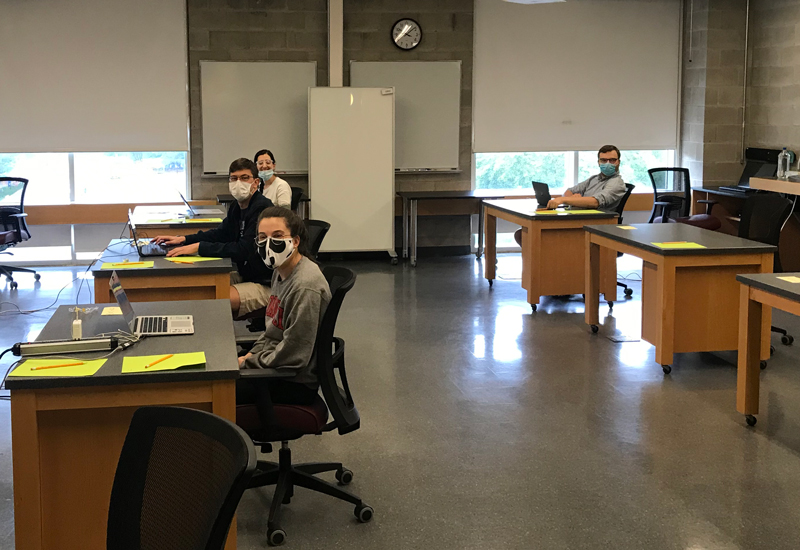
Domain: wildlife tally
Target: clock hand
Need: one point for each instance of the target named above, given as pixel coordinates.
(403, 32)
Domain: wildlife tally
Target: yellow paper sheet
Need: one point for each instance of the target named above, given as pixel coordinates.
(126, 265)
(190, 259)
(625, 227)
(790, 279)
(87, 369)
(678, 245)
(177, 361)
(111, 310)
(204, 220)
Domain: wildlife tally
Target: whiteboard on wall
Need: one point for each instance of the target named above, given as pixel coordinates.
(427, 105)
(255, 105)
(351, 166)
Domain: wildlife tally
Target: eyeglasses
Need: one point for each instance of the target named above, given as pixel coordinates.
(246, 178)
(606, 161)
(261, 240)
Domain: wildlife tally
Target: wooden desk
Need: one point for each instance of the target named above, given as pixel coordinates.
(689, 296)
(475, 197)
(165, 281)
(552, 249)
(160, 220)
(756, 292)
(789, 186)
(67, 433)
(728, 210)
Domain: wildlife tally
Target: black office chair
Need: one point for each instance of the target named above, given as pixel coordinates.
(763, 217)
(13, 229)
(295, 421)
(620, 208)
(672, 192)
(317, 229)
(297, 194)
(179, 479)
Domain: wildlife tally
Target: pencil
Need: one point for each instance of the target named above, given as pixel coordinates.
(57, 366)
(128, 263)
(157, 361)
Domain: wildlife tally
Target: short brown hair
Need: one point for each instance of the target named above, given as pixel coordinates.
(608, 149)
(243, 164)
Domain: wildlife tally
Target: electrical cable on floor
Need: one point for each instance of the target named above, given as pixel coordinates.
(100, 255)
(629, 276)
(27, 312)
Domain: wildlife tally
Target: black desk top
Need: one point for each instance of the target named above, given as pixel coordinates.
(471, 194)
(646, 234)
(120, 250)
(526, 208)
(213, 334)
(770, 282)
(723, 192)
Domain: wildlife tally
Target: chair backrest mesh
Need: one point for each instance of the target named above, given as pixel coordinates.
(317, 229)
(672, 185)
(177, 485)
(297, 192)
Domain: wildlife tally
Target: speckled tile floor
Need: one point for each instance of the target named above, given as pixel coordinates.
(486, 426)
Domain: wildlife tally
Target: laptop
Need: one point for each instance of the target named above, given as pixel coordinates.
(759, 163)
(194, 212)
(151, 325)
(146, 247)
(542, 191)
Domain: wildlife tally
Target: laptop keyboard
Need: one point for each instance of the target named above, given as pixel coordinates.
(152, 325)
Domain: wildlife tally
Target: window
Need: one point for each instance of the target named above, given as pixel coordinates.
(96, 177)
(562, 170)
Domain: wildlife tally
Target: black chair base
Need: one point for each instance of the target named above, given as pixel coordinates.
(628, 291)
(286, 477)
(786, 338)
(8, 271)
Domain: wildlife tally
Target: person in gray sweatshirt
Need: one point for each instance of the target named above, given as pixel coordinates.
(300, 296)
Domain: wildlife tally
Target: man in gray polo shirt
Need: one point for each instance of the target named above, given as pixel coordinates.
(603, 190)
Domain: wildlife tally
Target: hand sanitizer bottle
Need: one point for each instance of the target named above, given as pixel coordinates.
(783, 163)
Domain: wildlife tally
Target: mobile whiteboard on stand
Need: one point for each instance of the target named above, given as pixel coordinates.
(351, 167)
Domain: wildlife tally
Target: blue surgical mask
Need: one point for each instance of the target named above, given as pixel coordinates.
(608, 169)
(265, 175)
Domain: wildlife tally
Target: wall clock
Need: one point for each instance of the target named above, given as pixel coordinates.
(406, 34)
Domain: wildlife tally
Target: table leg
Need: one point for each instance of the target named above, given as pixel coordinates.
(532, 258)
(767, 263)
(490, 240)
(27, 475)
(414, 232)
(592, 267)
(405, 228)
(747, 381)
(665, 337)
(481, 215)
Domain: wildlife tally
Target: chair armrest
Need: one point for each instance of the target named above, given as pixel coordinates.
(19, 215)
(665, 209)
(253, 374)
(710, 204)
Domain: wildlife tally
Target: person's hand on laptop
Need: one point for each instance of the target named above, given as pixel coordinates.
(555, 203)
(170, 240)
(188, 250)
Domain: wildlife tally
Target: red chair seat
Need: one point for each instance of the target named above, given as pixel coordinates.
(294, 421)
(703, 221)
(7, 237)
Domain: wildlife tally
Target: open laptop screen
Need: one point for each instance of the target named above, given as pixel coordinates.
(122, 299)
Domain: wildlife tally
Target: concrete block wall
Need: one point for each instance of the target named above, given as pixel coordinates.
(447, 35)
(693, 102)
(250, 30)
(773, 116)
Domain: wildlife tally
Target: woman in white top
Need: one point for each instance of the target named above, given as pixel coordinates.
(275, 189)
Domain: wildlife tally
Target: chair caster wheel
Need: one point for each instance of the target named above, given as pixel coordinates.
(787, 340)
(276, 537)
(610, 305)
(394, 261)
(14, 285)
(36, 276)
(771, 351)
(533, 307)
(666, 368)
(763, 365)
(595, 329)
(364, 513)
(9, 279)
(414, 263)
(344, 476)
(750, 419)
(629, 292)
(491, 283)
